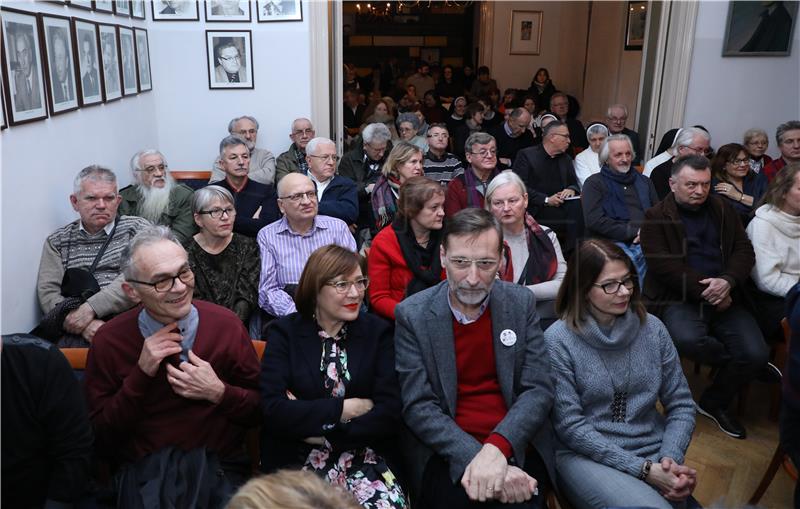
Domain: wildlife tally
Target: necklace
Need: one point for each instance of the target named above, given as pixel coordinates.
(619, 403)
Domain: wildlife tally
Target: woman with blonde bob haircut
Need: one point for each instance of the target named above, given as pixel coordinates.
(329, 392)
(402, 163)
(290, 489)
(612, 363)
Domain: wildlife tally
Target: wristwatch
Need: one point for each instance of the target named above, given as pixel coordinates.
(545, 199)
(645, 470)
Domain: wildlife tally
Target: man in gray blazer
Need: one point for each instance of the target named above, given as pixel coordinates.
(475, 379)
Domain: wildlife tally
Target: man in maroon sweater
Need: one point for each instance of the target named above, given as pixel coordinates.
(474, 378)
(170, 372)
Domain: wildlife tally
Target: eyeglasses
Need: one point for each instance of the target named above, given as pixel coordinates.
(697, 150)
(613, 287)
(343, 286)
(217, 213)
(441, 136)
(617, 120)
(150, 169)
(300, 132)
(164, 285)
(245, 132)
(406, 130)
(485, 153)
(484, 265)
(230, 59)
(328, 157)
(740, 162)
(298, 197)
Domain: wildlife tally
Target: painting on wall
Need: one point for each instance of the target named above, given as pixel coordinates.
(279, 10)
(175, 10)
(227, 10)
(525, 33)
(89, 85)
(59, 63)
(636, 26)
(143, 59)
(230, 59)
(759, 29)
(23, 79)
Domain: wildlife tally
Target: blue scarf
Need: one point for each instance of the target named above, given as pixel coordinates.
(614, 204)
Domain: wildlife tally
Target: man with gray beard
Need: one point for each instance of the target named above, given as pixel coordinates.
(156, 196)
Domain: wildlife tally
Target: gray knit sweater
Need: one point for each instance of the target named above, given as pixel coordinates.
(584, 392)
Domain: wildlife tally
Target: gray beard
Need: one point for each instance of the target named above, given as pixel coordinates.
(155, 200)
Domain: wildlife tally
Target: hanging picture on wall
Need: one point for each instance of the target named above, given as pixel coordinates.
(143, 59)
(83, 4)
(636, 25)
(175, 10)
(3, 122)
(109, 59)
(22, 74)
(227, 10)
(137, 9)
(84, 34)
(104, 5)
(128, 59)
(230, 59)
(122, 8)
(759, 29)
(279, 10)
(526, 33)
(59, 63)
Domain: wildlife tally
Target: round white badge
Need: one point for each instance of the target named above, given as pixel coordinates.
(508, 337)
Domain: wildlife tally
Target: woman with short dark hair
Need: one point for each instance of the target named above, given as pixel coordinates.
(735, 181)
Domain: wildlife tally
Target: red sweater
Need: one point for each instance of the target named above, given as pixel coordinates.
(134, 414)
(773, 167)
(480, 405)
(455, 197)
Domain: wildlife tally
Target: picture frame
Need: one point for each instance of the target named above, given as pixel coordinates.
(3, 121)
(635, 25)
(109, 60)
(268, 11)
(229, 56)
(127, 53)
(59, 63)
(137, 9)
(753, 30)
(175, 10)
(525, 33)
(23, 75)
(104, 6)
(81, 4)
(122, 8)
(143, 59)
(87, 49)
(227, 11)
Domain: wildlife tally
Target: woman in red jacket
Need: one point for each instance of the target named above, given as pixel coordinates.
(404, 259)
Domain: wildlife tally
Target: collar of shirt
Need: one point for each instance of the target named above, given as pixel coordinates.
(234, 188)
(187, 327)
(461, 317)
(321, 186)
(508, 130)
(284, 226)
(107, 228)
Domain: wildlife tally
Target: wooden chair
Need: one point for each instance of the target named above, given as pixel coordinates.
(193, 179)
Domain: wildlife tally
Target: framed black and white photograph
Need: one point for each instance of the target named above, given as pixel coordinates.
(279, 10)
(635, 26)
(104, 5)
(175, 10)
(82, 4)
(127, 52)
(22, 67)
(122, 7)
(3, 121)
(230, 59)
(59, 63)
(109, 59)
(84, 34)
(143, 59)
(757, 29)
(227, 10)
(137, 9)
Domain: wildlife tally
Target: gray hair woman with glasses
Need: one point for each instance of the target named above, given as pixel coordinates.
(226, 264)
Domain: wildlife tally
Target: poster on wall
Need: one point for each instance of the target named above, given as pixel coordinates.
(60, 64)
(143, 59)
(89, 84)
(279, 10)
(525, 33)
(227, 10)
(109, 58)
(230, 59)
(175, 10)
(23, 79)
(759, 29)
(128, 52)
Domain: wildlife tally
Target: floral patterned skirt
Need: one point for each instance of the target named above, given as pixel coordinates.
(362, 472)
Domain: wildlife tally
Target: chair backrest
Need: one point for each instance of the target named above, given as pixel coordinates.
(193, 179)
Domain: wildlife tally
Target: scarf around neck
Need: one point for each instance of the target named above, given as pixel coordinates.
(614, 205)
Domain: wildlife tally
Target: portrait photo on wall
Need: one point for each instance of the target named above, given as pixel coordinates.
(104, 5)
(89, 84)
(230, 59)
(128, 53)
(175, 10)
(109, 59)
(122, 7)
(83, 4)
(759, 29)
(143, 59)
(3, 121)
(63, 92)
(137, 9)
(227, 10)
(279, 10)
(23, 76)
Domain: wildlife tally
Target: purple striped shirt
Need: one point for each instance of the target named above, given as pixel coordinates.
(284, 254)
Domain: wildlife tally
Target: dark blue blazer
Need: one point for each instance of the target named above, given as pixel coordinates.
(340, 200)
(291, 362)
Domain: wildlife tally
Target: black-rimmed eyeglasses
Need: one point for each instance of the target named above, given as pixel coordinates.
(613, 287)
(164, 285)
(218, 213)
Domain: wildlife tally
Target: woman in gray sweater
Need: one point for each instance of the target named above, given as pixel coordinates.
(612, 362)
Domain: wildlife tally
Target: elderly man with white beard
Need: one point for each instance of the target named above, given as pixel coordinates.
(156, 196)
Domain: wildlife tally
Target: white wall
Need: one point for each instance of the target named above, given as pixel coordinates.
(732, 94)
(181, 117)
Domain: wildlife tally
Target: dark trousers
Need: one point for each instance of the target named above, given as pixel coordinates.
(729, 339)
(439, 492)
(790, 440)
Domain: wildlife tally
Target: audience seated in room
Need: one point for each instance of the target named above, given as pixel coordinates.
(353, 112)
(340, 419)
(688, 141)
(560, 107)
(735, 181)
(421, 80)
(756, 142)
(448, 86)
(587, 163)
(542, 88)
(662, 153)
(491, 115)
(512, 135)
(439, 164)
(156, 196)
(171, 382)
(337, 196)
(481, 86)
(262, 162)
(80, 283)
(531, 253)
(408, 125)
(468, 188)
(458, 110)
(473, 120)
(432, 108)
(294, 159)
(616, 117)
(404, 259)
(380, 112)
(611, 362)
(788, 138)
(403, 162)
(287, 243)
(255, 203)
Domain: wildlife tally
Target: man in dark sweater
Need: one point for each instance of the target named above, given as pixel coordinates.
(698, 259)
(513, 135)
